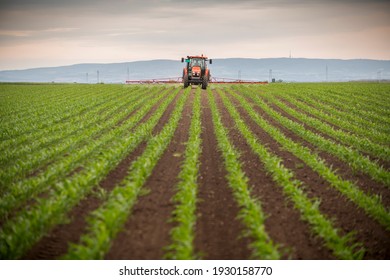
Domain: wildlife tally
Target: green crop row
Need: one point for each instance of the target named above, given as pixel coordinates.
(61, 113)
(20, 233)
(45, 116)
(40, 142)
(105, 222)
(23, 99)
(361, 97)
(358, 143)
(284, 178)
(67, 143)
(21, 191)
(353, 158)
(355, 124)
(250, 212)
(184, 216)
(12, 103)
(371, 204)
(378, 92)
(33, 137)
(360, 109)
(324, 94)
(342, 110)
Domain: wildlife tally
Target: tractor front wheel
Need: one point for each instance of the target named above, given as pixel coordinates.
(185, 80)
(205, 82)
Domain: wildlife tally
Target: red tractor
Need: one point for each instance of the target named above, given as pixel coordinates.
(196, 71)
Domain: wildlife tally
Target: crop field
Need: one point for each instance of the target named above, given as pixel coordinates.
(278, 171)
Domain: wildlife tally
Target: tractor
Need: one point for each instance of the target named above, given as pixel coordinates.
(196, 71)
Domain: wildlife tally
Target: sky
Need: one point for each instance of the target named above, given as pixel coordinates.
(44, 33)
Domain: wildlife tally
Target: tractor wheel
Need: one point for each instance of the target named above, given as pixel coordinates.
(185, 80)
(205, 82)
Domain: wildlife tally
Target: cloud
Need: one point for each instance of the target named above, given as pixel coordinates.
(96, 31)
(14, 33)
(31, 33)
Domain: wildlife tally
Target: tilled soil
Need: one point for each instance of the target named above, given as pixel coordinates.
(218, 230)
(346, 215)
(56, 242)
(146, 233)
(283, 223)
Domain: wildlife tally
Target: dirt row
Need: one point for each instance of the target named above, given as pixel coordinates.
(55, 243)
(218, 233)
(384, 163)
(343, 169)
(347, 216)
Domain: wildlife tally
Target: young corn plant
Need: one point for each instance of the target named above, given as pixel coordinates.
(355, 124)
(371, 204)
(184, 216)
(284, 178)
(250, 214)
(105, 222)
(21, 164)
(45, 112)
(28, 188)
(20, 233)
(356, 142)
(359, 109)
(353, 158)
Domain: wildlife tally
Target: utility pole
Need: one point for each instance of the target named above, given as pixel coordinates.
(97, 76)
(128, 73)
(239, 75)
(270, 76)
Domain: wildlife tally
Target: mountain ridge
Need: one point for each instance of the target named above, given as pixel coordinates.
(286, 69)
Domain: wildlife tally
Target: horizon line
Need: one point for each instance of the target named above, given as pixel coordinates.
(167, 59)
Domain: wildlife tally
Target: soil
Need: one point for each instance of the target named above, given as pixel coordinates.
(56, 242)
(283, 224)
(218, 230)
(344, 213)
(146, 233)
(341, 168)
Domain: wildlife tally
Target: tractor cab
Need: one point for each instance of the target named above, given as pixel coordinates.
(197, 62)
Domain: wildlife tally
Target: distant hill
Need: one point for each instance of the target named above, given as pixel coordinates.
(286, 69)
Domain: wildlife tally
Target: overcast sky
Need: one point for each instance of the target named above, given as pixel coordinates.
(37, 33)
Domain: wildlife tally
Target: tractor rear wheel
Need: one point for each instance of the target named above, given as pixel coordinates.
(185, 80)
